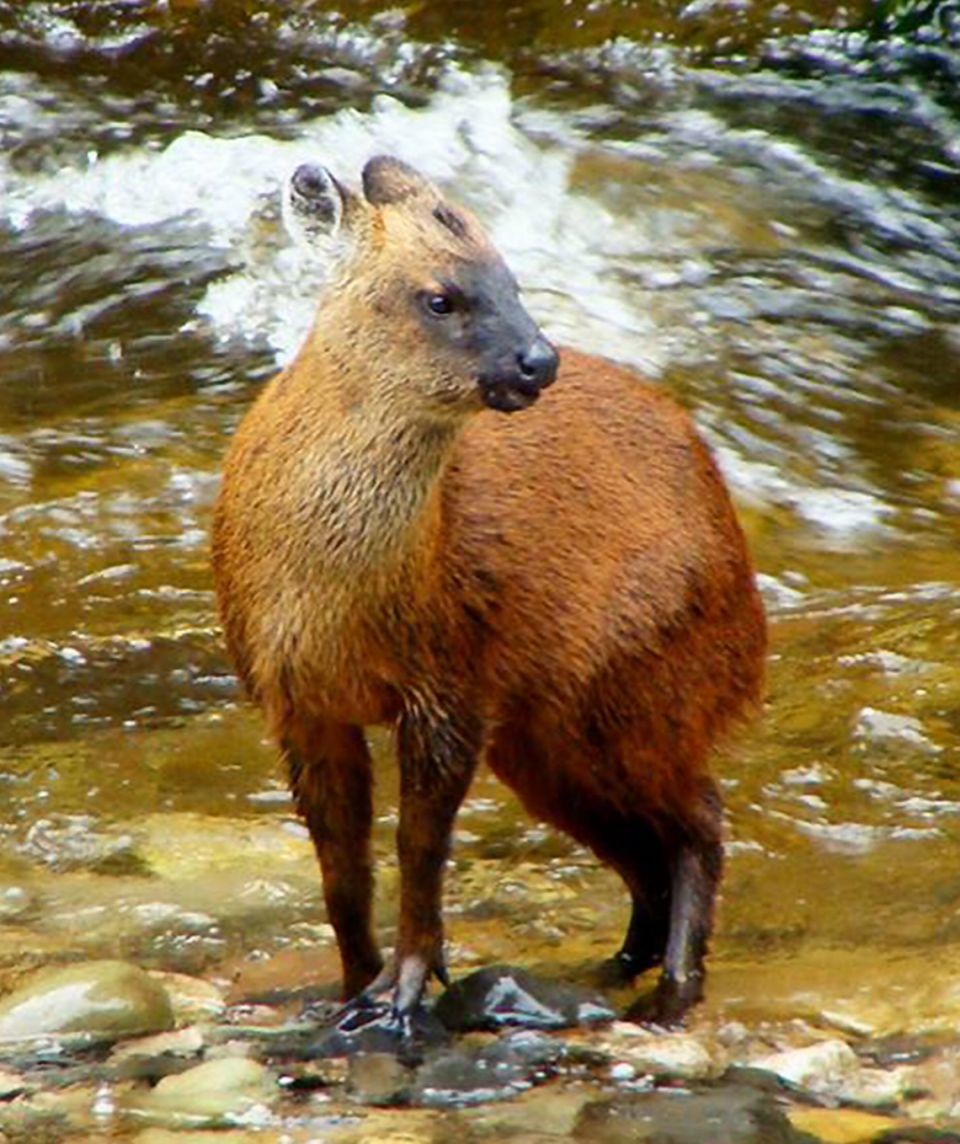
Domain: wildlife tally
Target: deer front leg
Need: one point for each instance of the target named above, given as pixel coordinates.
(438, 754)
(331, 780)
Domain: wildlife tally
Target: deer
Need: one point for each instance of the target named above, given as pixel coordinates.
(512, 555)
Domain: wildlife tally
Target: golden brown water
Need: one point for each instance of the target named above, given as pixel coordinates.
(768, 227)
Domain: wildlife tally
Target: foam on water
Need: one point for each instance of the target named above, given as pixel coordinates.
(466, 138)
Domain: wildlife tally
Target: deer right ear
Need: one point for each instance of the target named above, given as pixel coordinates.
(314, 204)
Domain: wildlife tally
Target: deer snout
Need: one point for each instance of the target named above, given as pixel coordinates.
(538, 365)
(516, 383)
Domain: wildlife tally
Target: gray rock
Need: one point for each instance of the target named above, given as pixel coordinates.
(503, 995)
(735, 1115)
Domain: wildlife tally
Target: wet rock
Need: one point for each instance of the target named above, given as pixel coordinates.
(466, 1076)
(34, 1121)
(378, 1079)
(385, 1126)
(192, 998)
(216, 1092)
(827, 1068)
(526, 1047)
(15, 902)
(919, 1134)
(936, 1086)
(210, 1136)
(152, 1058)
(472, 1074)
(839, 1125)
(105, 999)
(11, 1084)
(375, 1031)
(679, 1055)
(735, 1115)
(502, 995)
(545, 1114)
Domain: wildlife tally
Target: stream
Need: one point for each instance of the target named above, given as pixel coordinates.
(755, 205)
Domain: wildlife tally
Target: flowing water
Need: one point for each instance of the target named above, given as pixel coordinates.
(762, 217)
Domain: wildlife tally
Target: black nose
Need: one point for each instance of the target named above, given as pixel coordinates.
(538, 364)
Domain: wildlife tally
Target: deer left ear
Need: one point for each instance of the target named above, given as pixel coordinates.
(313, 204)
(387, 181)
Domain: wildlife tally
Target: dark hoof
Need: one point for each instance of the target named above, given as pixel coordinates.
(668, 1004)
(622, 968)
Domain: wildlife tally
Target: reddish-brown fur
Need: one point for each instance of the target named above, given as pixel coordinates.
(565, 592)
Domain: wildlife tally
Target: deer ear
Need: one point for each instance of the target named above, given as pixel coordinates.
(314, 204)
(387, 180)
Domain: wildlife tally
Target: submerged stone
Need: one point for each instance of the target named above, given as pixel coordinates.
(470, 1074)
(379, 1079)
(465, 1076)
(105, 999)
(503, 995)
(839, 1125)
(734, 1115)
(219, 1091)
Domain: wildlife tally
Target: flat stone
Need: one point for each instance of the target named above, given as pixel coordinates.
(214, 1136)
(503, 995)
(12, 1084)
(218, 1091)
(735, 1115)
(828, 1068)
(547, 1112)
(464, 1075)
(839, 1125)
(179, 1043)
(106, 999)
(680, 1055)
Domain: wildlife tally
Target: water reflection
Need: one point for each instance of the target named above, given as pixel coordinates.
(782, 251)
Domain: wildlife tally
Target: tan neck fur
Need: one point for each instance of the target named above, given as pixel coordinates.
(369, 480)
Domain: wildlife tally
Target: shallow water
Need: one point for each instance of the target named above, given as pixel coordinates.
(767, 226)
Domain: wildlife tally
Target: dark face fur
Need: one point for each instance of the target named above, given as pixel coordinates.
(463, 297)
(477, 310)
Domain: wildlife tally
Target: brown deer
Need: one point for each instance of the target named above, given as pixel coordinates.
(565, 593)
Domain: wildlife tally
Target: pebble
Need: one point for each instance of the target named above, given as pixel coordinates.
(378, 1079)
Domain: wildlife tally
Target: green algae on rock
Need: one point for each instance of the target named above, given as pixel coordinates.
(106, 1000)
(224, 1091)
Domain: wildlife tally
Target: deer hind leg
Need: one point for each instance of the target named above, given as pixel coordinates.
(693, 864)
(669, 854)
(332, 783)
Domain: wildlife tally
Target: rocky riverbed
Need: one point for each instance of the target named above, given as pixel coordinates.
(755, 204)
(103, 1048)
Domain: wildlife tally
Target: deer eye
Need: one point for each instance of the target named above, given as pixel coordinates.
(438, 305)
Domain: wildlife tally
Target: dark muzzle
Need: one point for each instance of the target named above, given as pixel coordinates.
(517, 385)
